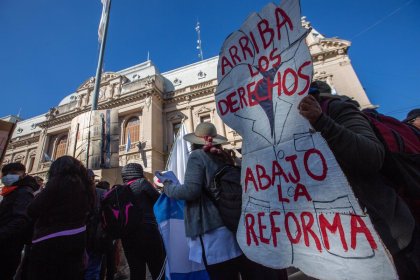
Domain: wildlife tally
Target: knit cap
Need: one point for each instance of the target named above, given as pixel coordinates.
(132, 171)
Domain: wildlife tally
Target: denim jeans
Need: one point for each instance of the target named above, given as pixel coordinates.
(93, 270)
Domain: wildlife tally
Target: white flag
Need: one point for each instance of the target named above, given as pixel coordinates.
(101, 29)
(177, 162)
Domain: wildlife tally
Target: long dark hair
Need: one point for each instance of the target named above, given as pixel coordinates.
(66, 172)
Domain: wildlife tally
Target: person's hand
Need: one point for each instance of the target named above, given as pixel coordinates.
(310, 109)
(166, 176)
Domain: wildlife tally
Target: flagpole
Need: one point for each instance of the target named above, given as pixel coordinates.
(98, 80)
(100, 62)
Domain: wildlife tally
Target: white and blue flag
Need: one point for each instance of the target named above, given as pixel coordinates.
(170, 217)
(128, 143)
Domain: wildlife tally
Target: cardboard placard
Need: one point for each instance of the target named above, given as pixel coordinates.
(297, 207)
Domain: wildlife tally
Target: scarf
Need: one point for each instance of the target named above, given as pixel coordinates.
(7, 189)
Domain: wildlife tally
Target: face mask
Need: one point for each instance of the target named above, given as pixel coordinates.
(8, 180)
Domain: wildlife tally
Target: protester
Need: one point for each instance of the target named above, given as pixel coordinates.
(96, 239)
(15, 225)
(210, 240)
(360, 155)
(108, 246)
(60, 213)
(104, 185)
(100, 248)
(121, 265)
(144, 244)
(413, 118)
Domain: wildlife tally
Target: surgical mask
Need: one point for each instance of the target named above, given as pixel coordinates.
(9, 179)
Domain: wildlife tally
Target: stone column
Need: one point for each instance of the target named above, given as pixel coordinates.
(26, 161)
(190, 121)
(12, 157)
(153, 135)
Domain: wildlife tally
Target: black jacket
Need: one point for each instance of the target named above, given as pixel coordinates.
(360, 154)
(146, 196)
(15, 225)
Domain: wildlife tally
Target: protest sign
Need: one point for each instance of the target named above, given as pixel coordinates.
(297, 207)
(6, 131)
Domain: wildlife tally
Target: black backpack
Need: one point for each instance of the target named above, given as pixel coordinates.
(226, 193)
(120, 213)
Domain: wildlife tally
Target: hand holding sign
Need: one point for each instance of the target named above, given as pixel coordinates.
(297, 206)
(310, 109)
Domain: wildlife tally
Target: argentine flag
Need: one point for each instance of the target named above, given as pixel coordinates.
(170, 217)
(128, 143)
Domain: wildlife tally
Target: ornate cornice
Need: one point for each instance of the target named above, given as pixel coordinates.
(329, 47)
(105, 77)
(23, 141)
(202, 109)
(190, 92)
(112, 103)
(176, 116)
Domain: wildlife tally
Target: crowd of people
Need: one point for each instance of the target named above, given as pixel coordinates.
(54, 231)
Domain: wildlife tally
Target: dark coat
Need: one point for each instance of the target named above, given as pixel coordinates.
(15, 224)
(360, 154)
(201, 215)
(59, 207)
(146, 196)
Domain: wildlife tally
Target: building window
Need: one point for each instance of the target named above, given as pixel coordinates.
(205, 118)
(60, 150)
(132, 128)
(175, 128)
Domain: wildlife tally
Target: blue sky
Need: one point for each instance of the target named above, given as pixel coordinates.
(49, 47)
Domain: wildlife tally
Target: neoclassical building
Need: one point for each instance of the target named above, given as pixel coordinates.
(152, 105)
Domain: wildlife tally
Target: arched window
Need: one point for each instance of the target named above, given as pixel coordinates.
(60, 150)
(133, 129)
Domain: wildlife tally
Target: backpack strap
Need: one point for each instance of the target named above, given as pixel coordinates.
(134, 199)
(129, 184)
(210, 190)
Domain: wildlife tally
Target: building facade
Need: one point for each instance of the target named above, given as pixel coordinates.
(152, 106)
